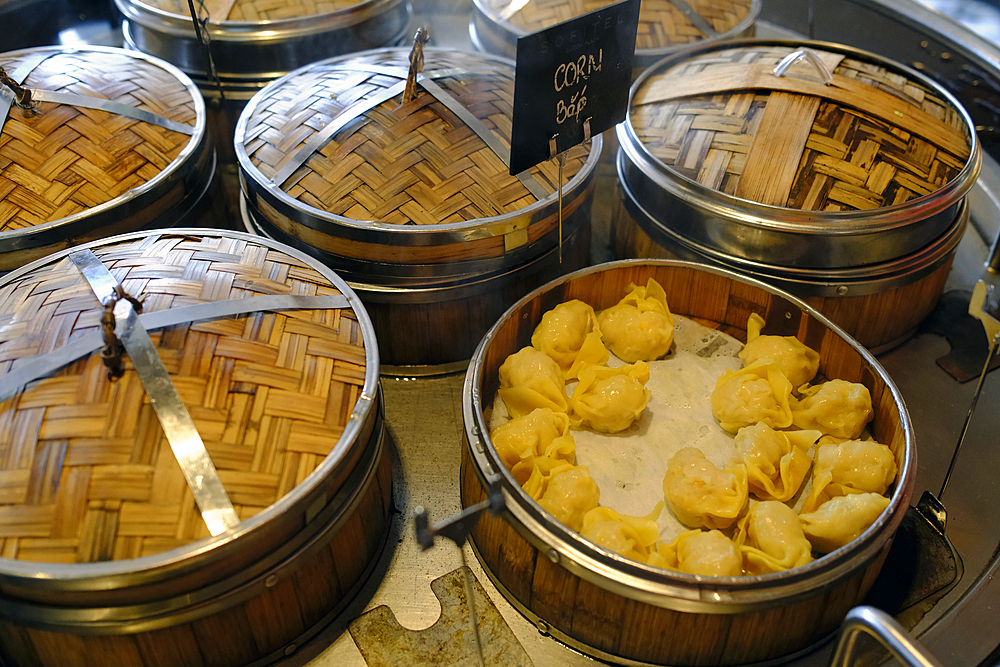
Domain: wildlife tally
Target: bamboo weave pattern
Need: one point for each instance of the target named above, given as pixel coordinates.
(851, 160)
(411, 164)
(62, 160)
(661, 24)
(85, 471)
(261, 10)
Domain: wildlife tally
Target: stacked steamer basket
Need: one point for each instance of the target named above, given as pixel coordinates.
(107, 555)
(621, 610)
(253, 42)
(413, 203)
(849, 193)
(110, 142)
(664, 26)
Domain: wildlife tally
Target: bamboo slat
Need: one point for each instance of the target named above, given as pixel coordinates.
(63, 160)
(254, 10)
(875, 139)
(83, 461)
(661, 23)
(410, 164)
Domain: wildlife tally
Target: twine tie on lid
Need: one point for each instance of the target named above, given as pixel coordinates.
(416, 64)
(22, 95)
(112, 354)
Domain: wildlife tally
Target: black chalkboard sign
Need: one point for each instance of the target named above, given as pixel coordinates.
(576, 71)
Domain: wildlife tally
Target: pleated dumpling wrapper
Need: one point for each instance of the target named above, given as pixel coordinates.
(777, 462)
(836, 407)
(531, 379)
(756, 393)
(540, 439)
(569, 495)
(705, 552)
(701, 495)
(841, 519)
(798, 362)
(569, 334)
(609, 400)
(770, 538)
(852, 466)
(629, 536)
(640, 327)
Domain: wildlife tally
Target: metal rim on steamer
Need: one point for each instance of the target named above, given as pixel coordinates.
(492, 32)
(106, 576)
(775, 234)
(135, 199)
(676, 590)
(389, 234)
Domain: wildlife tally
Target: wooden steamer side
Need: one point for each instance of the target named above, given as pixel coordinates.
(614, 608)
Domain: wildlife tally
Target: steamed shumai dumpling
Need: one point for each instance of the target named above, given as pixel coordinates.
(609, 400)
(841, 519)
(569, 334)
(530, 379)
(701, 495)
(540, 439)
(836, 407)
(705, 552)
(759, 392)
(852, 466)
(798, 362)
(771, 539)
(569, 495)
(777, 461)
(640, 327)
(629, 536)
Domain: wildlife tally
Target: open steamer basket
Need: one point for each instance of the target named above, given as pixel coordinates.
(848, 194)
(104, 553)
(115, 142)
(413, 203)
(621, 610)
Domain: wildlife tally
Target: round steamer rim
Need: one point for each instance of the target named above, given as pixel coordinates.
(198, 136)
(82, 576)
(665, 588)
(305, 214)
(180, 25)
(782, 218)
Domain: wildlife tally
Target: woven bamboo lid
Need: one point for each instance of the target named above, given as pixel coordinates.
(86, 473)
(426, 162)
(876, 136)
(255, 10)
(68, 170)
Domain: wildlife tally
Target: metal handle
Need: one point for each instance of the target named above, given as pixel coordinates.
(886, 630)
(804, 54)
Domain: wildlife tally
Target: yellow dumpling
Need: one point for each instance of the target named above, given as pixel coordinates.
(540, 439)
(530, 379)
(629, 536)
(852, 466)
(700, 494)
(771, 539)
(640, 327)
(777, 461)
(798, 362)
(837, 407)
(841, 519)
(569, 495)
(538, 482)
(609, 400)
(569, 334)
(759, 392)
(704, 552)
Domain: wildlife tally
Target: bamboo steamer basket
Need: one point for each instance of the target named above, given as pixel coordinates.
(620, 610)
(665, 27)
(413, 204)
(825, 190)
(104, 556)
(70, 173)
(253, 42)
